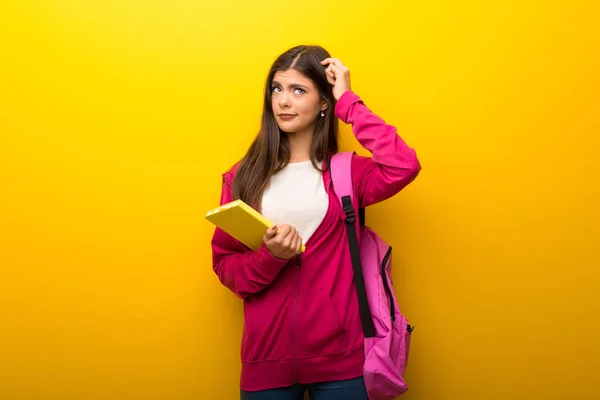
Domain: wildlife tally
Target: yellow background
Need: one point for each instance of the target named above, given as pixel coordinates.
(118, 117)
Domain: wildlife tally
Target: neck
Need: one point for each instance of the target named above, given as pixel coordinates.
(300, 145)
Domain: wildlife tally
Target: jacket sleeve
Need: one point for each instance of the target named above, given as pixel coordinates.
(245, 272)
(393, 164)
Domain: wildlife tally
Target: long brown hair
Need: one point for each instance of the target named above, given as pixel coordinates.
(270, 151)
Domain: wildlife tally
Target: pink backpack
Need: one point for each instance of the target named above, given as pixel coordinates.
(387, 332)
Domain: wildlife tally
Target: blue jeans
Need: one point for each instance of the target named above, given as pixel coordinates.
(351, 389)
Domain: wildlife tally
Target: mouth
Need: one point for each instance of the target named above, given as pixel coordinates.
(286, 116)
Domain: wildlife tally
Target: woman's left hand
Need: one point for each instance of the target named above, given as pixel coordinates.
(338, 75)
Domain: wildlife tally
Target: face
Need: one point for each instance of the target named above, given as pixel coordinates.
(296, 101)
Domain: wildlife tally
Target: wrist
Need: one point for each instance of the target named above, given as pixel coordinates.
(342, 106)
(272, 254)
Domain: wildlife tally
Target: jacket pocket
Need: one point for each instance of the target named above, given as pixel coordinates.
(319, 330)
(266, 334)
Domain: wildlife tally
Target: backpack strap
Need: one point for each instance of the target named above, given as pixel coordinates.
(342, 180)
(341, 176)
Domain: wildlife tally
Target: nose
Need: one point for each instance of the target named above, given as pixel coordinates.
(284, 100)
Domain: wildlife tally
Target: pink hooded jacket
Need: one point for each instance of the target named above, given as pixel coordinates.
(301, 319)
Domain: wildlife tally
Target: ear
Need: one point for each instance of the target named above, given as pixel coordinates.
(324, 105)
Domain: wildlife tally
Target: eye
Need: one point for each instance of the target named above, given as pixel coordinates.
(276, 89)
(301, 91)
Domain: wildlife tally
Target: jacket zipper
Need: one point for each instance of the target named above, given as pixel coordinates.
(294, 355)
(298, 264)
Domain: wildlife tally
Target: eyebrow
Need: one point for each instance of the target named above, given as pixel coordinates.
(292, 85)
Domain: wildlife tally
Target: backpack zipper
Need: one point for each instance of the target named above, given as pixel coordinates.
(386, 284)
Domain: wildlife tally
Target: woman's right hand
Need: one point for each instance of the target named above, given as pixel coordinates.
(285, 244)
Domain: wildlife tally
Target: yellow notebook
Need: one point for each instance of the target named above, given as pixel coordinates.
(242, 222)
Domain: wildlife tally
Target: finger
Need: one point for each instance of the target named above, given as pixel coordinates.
(270, 233)
(287, 242)
(332, 61)
(330, 77)
(292, 248)
(333, 73)
(337, 63)
(298, 244)
(337, 70)
(329, 71)
(292, 233)
(294, 244)
(284, 231)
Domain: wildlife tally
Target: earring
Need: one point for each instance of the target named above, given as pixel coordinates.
(322, 113)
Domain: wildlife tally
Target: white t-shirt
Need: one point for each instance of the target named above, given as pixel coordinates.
(296, 196)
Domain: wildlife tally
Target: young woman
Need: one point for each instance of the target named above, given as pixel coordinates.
(302, 329)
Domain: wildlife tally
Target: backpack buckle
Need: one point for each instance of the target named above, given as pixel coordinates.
(349, 209)
(350, 215)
